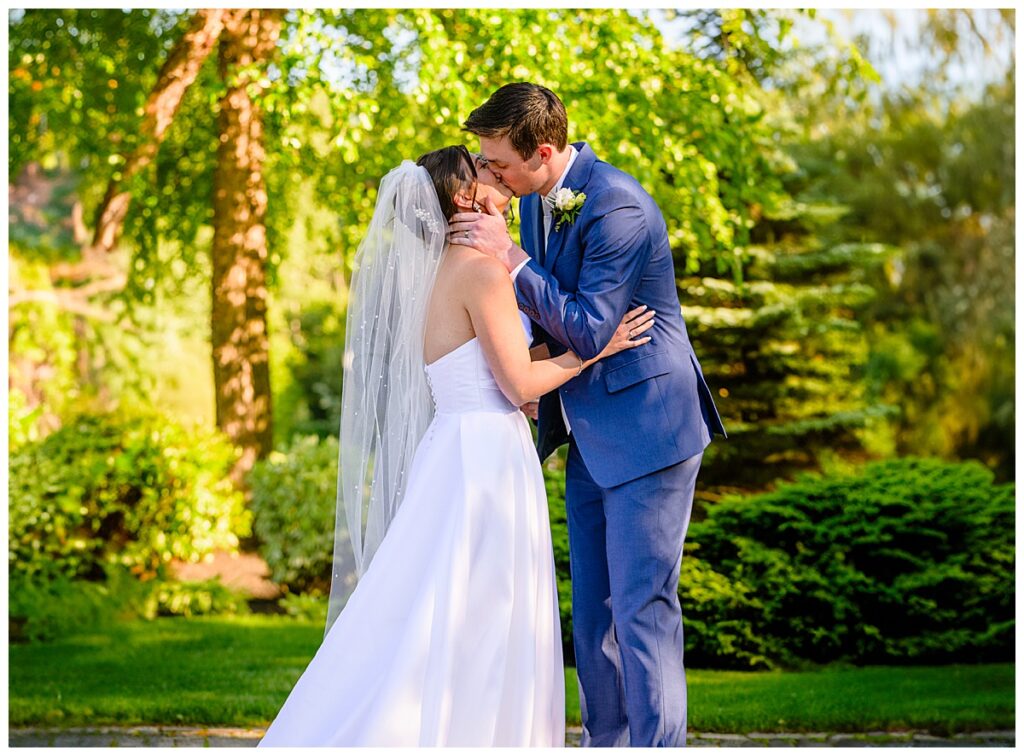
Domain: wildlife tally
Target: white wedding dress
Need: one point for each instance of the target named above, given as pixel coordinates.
(451, 638)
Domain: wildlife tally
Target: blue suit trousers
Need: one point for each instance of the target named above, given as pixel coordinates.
(625, 551)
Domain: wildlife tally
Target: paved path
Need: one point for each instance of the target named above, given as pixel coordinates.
(220, 737)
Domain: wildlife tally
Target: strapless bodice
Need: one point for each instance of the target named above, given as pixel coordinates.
(462, 381)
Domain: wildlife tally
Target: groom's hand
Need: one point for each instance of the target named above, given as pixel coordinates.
(487, 233)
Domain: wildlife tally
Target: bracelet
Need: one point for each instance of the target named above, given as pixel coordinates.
(580, 368)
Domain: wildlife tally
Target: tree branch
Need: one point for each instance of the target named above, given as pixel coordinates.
(65, 300)
(177, 74)
(94, 263)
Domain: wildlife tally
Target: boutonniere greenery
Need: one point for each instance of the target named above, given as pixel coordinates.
(567, 204)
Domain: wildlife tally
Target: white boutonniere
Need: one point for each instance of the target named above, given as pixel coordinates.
(567, 204)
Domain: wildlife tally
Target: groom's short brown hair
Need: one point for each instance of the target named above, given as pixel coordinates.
(528, 114)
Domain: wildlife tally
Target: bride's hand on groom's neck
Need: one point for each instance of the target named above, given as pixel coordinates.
(487, 232)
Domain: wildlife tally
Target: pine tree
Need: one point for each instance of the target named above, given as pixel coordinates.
(783, 350)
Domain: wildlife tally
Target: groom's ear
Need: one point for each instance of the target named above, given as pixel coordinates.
(545, 151)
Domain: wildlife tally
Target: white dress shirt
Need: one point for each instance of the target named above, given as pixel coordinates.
(546, 209)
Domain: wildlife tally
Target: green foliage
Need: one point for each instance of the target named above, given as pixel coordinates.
(45, 609)
(909, 560)
(934, 179)
(748, 41)
(130, 488)
(22, 420)
(43, 350)
(305, 607)
(41, 610)
(786, 352)
(554, 484)
(189, 598)
(79, 78)
(353, 92)
(294, 504)
(81, 74)
(311, 403)
(410, 77)
(63, 362)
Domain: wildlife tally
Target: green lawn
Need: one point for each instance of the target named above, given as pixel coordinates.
(238, 671)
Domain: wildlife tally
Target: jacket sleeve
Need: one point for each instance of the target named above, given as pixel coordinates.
(616, 248)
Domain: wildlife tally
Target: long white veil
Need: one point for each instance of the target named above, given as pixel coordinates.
(385, 405)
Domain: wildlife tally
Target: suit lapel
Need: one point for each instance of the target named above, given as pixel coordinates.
(576, 180)
(538, 225)
(531, 232)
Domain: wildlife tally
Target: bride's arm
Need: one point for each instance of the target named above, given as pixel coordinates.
(491, 301)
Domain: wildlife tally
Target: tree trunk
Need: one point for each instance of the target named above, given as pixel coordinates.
(241, 370)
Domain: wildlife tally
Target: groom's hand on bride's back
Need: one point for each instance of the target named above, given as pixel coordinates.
(488, 233)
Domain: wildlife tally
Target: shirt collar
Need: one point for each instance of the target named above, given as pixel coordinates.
(549, 198)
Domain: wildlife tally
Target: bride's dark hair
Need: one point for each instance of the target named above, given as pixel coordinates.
(452, 170)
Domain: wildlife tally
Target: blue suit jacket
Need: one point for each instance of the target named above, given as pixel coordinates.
(642, 409)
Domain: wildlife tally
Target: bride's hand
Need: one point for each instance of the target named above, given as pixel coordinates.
(633, 324)
(486, 232)
(530, 409)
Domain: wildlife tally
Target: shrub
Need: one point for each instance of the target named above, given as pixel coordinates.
(293, 503)
(305, 607)
(133, 489)
(188, 598)
(44, 609)
(908, 560)
(40, 609)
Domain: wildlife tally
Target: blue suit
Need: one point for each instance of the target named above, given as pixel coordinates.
(640, 422)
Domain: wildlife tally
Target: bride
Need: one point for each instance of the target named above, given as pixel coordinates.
(451, 634)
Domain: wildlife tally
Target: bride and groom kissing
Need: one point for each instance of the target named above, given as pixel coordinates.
(451, 635)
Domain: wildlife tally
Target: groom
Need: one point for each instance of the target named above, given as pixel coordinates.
(637, 423)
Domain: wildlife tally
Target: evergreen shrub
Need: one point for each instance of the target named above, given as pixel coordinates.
(903, 561)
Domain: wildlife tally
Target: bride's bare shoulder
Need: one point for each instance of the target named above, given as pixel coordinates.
(478, 271)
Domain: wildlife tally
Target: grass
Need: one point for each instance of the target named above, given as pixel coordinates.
(238, 671)
(942, 700)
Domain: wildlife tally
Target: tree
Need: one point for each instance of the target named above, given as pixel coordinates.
(693, 136)
(937, 181)
(72, 121)
(175, 77)
(351, 93)
(786, 352)
(239, 254)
